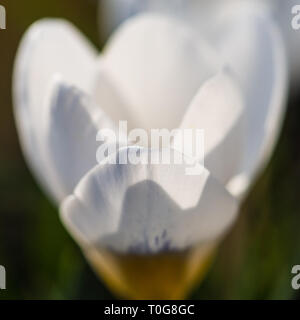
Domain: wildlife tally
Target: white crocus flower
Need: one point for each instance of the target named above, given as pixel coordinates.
(155, 72)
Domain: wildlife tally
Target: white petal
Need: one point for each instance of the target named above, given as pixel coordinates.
(49, 47)
(243, 33)
(252, 44)
(106, 93)
(147, 208)
(218, 109)
(158, 64)
(70, 126)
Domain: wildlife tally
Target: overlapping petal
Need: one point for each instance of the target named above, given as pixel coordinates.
(49, 47)
(158, 64)
(245, 36)
(252, 44)
(158, 207)
(71, 123)
(218, 109)
(50, 115)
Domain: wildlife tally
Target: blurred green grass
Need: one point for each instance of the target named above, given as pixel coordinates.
(43, 262)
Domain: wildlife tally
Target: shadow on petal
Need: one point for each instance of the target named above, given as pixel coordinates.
(141, 274)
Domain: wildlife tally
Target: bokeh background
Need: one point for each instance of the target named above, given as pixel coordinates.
(43, 262)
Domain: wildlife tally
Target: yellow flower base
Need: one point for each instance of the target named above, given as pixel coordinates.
(159, 276)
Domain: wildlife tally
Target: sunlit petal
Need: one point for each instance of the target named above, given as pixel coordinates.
(70, 126)
(49, 47)
(158, 208)
(218, 109)
(159, 64)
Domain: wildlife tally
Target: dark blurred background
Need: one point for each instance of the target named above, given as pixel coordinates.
(43, 262)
